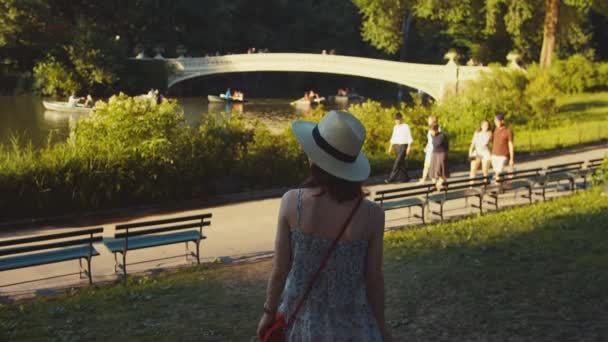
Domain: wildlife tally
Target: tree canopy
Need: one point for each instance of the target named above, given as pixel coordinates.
(86, 42)
(477, 24)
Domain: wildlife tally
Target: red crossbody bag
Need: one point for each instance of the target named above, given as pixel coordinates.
(278, 329)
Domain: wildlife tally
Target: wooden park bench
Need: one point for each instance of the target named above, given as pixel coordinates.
(592, 166)
(514, 182)
(51, 248)
(559, 172)
(460, 189)
(147, 234)
(406, 197)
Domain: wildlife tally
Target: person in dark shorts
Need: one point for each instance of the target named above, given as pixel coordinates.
(439, 171)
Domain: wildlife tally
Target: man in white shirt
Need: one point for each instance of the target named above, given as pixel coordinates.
(401, 142)
(73, 100)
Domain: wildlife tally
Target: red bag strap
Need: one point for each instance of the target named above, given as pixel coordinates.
(323, 263)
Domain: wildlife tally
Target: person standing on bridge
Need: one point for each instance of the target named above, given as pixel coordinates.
(401, 142)
(327, 280)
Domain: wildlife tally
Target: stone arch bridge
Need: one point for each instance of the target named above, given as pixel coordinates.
(435, 80)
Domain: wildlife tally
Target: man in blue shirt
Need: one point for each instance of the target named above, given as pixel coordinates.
(227, 95)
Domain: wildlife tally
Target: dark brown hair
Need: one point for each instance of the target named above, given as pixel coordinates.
(338, 189)
(434, 128)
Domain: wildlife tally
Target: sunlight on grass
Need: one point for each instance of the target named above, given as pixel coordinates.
(528, 274)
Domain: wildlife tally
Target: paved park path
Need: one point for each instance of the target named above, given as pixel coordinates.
(240, 230)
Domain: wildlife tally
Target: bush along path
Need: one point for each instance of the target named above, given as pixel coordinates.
(131, 152)
(532, 273)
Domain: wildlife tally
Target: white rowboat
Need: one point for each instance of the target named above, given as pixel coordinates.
(304, 102)
(65, 108)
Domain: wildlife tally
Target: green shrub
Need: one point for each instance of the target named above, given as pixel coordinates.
(131, 151)
(574, 74)
(54, 79)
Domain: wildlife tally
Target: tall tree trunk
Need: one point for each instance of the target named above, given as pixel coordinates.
(549, 32)
(405, 35)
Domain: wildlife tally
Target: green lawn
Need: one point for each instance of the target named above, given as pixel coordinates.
(581, 119)
(536, 273)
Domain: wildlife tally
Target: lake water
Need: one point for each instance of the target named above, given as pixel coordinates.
(26, 118)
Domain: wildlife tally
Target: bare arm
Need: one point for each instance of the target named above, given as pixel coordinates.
(281, 262)
(511, 154)
(374, 274)
(390, 148)
(472, 145)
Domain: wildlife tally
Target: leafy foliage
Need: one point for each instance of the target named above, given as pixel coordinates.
(477, 25)
(131, 151)
(53, 78)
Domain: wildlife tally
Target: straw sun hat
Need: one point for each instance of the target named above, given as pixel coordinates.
(334, 144)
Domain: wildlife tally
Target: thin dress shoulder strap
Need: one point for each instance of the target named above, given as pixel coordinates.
(299, 207)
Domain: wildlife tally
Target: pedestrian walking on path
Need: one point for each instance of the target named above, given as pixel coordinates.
(503, 152)
(479, 151)
(428, 149)
(327, 279)
(401, 142)
(439, 161)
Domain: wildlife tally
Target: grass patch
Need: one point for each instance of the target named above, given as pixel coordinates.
(535, 273)
(581, 119)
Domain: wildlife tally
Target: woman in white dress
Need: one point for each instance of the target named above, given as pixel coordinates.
(479, 152)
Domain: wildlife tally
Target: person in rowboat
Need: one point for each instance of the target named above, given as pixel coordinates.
(89, 101)
(227, 94)
(73, 100)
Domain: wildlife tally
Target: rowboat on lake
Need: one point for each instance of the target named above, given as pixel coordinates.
(63, 107)
(222, 98)
(305, 102)
(347, 98)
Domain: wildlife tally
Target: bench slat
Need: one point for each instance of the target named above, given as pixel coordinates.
(26, 249)
(47, 257)
(565, 165)
(117, 244)
(407, 202)
(451, 195)
(165, 221)
(403, 195)
(406, 189)
(162, 229)
(39, 238)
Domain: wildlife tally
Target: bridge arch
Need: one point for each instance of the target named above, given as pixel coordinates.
(434, 80)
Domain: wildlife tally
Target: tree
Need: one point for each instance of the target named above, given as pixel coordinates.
(535, 27)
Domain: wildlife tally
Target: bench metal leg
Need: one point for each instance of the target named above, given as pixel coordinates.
(572, 185)
(198, 251)
(124, 264)
(188, 253)
(86, 271)
(543, 193)
(115, 264)
(89, 273)
(422, 214)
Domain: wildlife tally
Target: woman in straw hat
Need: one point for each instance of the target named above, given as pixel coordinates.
(327, 282)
